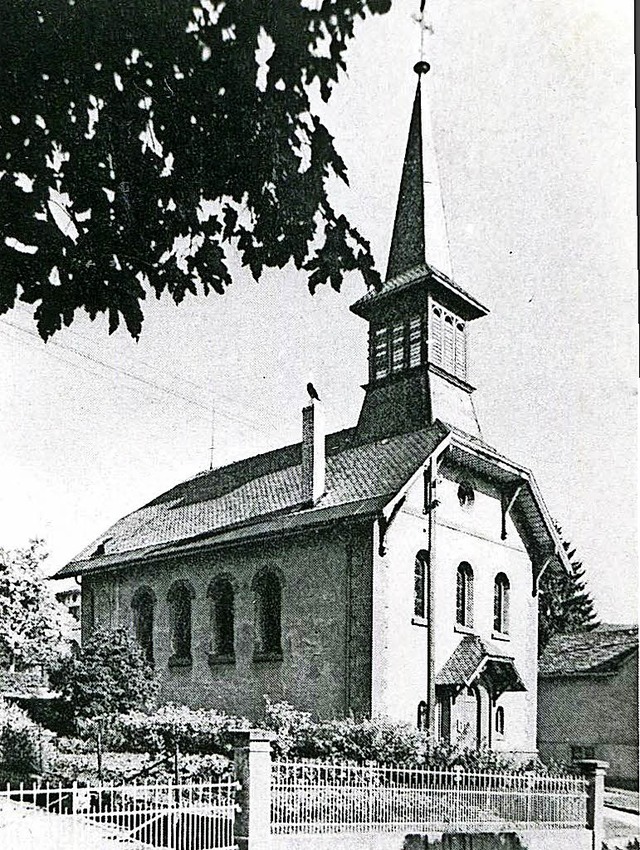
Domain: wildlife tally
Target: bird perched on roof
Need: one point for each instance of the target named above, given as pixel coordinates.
(313, 393)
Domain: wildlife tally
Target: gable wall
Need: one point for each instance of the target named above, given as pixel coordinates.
(592, 711)
(313, 672)
(400, 646)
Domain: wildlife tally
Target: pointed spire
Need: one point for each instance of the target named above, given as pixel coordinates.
(419, 230)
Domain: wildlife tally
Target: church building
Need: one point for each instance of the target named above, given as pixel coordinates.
(389, 569)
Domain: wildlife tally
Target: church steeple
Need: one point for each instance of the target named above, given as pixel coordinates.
(419, 229)
(418, 319)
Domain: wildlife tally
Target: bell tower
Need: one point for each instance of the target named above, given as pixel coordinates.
(418, 319)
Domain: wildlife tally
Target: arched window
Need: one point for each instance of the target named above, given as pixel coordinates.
(179, 599)
(423, 720)
(419, 585)
(499, 720)
(142, 606)
(464, 595)
(268, 608)
(222, 616)
(501, 604)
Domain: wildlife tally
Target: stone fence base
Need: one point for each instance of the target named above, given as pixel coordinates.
(552, 839)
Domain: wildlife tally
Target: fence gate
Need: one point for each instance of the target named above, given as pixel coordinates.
(194, 815)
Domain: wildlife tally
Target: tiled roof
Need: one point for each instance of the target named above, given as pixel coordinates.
(264, 493)
(587, 653)
(405, 279)
(473, 657)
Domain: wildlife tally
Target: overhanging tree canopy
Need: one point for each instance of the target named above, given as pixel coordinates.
(139, 139)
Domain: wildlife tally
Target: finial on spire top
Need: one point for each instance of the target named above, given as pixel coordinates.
(422, 67)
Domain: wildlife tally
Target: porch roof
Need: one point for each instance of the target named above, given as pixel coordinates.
(480, 660)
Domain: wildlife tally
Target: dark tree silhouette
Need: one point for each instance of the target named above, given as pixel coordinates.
(564, 602)
(140, 140)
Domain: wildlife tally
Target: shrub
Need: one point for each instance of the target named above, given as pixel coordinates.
(107, 675)
(195, 731)
(298, 735)
(24, 746)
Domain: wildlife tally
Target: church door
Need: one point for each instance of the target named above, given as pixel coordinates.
(468, 718)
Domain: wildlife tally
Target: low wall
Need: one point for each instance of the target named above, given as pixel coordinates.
(548, 839)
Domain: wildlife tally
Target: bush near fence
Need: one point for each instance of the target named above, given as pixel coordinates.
(299, 736)
(25, 747)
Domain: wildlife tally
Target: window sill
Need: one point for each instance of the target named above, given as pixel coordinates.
(180, 661)
(215, 659)
(419, 621)
(267, 656)
(464, 630)
(500, 636)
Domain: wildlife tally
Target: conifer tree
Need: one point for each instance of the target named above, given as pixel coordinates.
(564, 602)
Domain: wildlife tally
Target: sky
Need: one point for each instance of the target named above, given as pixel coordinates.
(532, 113)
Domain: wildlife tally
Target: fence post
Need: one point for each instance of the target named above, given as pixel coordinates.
(252, 758)
(595, 772)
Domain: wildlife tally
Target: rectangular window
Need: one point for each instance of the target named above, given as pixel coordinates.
(435, 335)
(448, 343)
(381, 353)
(460, 356)
(415, 341)
(397, 347)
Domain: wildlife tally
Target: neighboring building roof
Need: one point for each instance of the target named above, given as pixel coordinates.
(262, 495)
(597, 652)
(473, 658)
(27, 684)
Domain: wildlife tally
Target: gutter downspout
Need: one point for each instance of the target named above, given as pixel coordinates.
(429, 508)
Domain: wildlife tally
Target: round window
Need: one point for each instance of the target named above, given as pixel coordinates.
(466, 495)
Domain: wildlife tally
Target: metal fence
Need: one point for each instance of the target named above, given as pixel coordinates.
(192, 815)
(315, 796)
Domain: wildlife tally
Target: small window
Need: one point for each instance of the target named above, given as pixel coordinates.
(179, 599)
(435, 336)
(423, 719)
(501, 589)
(500, 721)
(448, 360)
(415, 341)
(381, 353)
(466, 496)
(221, 598)
(397, 347)
(268, 612)
(419, 585)
(142, 607)
(464, 595)
(581, 752)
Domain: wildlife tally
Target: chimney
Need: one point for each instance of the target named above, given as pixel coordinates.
(313, 451)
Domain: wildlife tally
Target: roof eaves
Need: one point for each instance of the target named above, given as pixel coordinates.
(229, 536)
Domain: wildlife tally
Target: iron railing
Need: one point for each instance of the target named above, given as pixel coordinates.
(316, 796)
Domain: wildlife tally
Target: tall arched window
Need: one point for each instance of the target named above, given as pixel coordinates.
(420, 585)
(423, 719)
(179, 598)
(142, 606)
(222, 616)
(268, 610)
(501, 604)
(464, 595)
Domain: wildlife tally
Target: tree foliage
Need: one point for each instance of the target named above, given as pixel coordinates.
(34, 626)
(140, 140)
(565, 604)
(107, 675)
